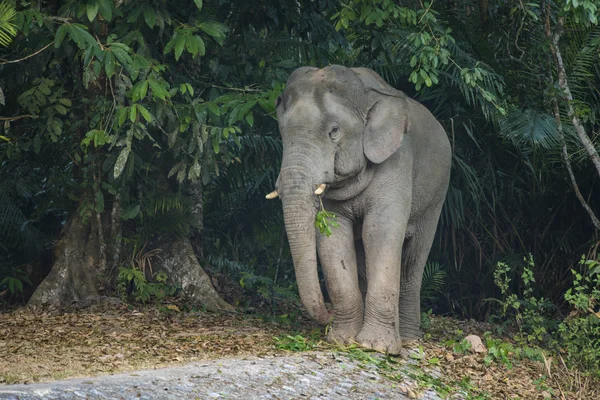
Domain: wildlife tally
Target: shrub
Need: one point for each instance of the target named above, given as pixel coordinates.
(576, 336)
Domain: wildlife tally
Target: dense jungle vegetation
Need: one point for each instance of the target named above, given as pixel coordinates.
(136, 131)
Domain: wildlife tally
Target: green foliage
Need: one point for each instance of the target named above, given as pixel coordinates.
(14, 282)
(296, 343)
(433, 282)
(7, 28)
(502, 351)
(132, 281)
(137, 101)
(577, 335)
(530, 313)
(580, 330)
(325, 221)
(462, 347)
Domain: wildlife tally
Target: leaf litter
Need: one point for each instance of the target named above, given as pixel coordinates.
(44, 346)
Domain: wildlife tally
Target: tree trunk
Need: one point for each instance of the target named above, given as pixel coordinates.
(197, 214)
(181, 265)
(116, 232)
(74, 275)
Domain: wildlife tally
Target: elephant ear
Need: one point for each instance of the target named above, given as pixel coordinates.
(387, 123)
(387, 117)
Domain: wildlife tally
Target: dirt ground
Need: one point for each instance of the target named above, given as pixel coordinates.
(46, 346)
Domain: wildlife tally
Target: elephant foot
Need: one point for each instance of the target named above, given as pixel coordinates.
(343, 333)
(382, 339)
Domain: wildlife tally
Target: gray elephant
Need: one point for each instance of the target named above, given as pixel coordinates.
(381, 162)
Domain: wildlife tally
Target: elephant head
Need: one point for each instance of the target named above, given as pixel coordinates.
(334, 122)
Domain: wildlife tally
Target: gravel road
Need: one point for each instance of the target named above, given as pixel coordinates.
(317, 375)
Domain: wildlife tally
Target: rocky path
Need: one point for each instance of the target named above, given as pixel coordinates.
(315, 375)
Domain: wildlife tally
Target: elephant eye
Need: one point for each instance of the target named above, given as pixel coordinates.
(334, 133)
(278, 101)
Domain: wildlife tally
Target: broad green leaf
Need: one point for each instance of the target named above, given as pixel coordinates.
(216, 147)
(75, 35)
(176, 168)
(61, 32)
(233, 115)
(83, 36)
(215, 29)
(150, 16)
(201, 46)
(60, 109)
(109, 63)
(195, 171)
(132, 113)
(106, 7)
(198, 4)
(145, 113)
(121, 161)
(143, 90)
(210, 28)
(179, 45)
(190, 89)
(173, 138)
(213, 108)
(157, 89)
(191, 45)
(122, 116)
(99, 201)
(250, 119)
(66, 102)
(122, 55)
(171, 43)
(92, 10)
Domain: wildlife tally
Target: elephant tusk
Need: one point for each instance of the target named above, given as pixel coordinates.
(272, 195)
(320, 189)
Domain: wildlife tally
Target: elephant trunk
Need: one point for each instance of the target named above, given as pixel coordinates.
(296, 188)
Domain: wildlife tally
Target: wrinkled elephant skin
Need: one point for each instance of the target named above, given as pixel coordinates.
(385, 162)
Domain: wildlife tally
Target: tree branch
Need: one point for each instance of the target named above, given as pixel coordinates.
(565, 155)
(17, 117)
(568, 97)
(3, 62)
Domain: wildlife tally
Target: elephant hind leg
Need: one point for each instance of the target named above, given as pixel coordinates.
(414, 256)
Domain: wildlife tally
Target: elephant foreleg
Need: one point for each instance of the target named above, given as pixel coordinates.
(383, 234)
(338, 260)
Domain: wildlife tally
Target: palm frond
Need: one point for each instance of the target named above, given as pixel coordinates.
(7, 29)
(530, 128)
(434, 279)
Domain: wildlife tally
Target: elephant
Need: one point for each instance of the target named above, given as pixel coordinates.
(380, 161)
